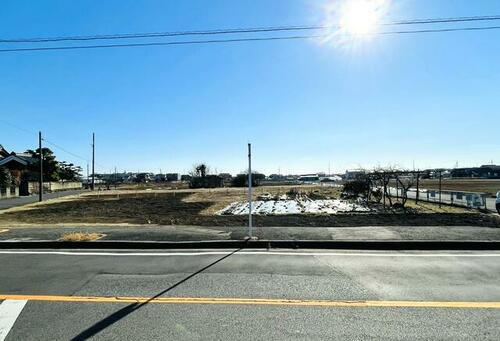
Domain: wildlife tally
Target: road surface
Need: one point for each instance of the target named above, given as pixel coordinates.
(19, 201)
(249, 294)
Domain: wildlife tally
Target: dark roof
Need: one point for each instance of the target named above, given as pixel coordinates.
(14, 158)
(3, 151)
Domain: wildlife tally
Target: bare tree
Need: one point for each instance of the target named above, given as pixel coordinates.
(200, 170)
(406, 180)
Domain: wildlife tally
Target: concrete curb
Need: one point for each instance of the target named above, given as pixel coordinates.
(262, 244)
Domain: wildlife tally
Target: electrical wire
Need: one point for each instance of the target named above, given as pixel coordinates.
(216, 41)
(238, 30)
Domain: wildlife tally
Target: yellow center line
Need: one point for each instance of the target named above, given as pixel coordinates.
(257, 301)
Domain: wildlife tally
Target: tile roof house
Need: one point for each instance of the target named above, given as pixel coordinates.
(17, 164)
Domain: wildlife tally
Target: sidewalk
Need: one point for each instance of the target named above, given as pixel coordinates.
(19, 201)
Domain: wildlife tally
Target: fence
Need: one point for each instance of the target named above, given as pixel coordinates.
(9, 192)
(33, 187)
(454, 198)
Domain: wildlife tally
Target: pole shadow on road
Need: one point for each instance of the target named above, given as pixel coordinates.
(116, 316)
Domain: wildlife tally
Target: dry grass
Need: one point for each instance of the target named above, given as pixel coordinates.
(467, 185)
(198, 207)
(81, 237)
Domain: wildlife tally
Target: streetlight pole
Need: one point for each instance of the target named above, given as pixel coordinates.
(93, 160)
(40, 178)
(250, 190)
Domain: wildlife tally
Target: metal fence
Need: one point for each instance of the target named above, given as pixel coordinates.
(454, 198)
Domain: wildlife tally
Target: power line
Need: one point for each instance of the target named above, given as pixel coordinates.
(19, 128)
(43, 139)
(238, 30)
(215, 41)
(65, 150)
(444, 30)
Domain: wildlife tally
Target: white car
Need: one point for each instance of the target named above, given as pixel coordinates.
(498, 202)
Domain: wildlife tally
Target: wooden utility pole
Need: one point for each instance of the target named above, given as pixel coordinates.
(40, 178)
(93, 160)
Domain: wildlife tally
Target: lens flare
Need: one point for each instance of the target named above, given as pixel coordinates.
(353, 21)
(361, 17)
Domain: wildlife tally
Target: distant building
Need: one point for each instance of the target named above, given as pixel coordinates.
(353, 174)
(186, 177)
(172, 176)
(143, 177)
(226, 176)
(160, 178)
(276, 177)
(484, 172)
(209, 181)
(332, 178)
(309, 178)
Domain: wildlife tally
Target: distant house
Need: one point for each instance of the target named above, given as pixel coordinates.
(17, 164)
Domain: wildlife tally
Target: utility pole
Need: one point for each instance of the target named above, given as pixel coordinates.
(115, 177)
(40, 178)
(250, 190)
(93, 160)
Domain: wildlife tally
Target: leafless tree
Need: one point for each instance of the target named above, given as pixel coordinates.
(200, 170)
(406, 180)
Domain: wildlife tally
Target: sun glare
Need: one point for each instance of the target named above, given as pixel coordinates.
(361, 17)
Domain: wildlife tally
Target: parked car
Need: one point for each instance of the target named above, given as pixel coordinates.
(498, 202)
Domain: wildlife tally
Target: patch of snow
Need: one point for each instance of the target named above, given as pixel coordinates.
(297, 206)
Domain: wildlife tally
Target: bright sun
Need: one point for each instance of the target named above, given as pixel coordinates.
(361, 17)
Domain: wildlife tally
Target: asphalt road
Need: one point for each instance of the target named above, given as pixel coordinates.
(19, 201)
(227, 295)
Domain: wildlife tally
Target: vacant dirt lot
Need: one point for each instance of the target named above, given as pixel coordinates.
(198, 207)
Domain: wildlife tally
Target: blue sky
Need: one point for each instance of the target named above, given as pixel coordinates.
(429, 99)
